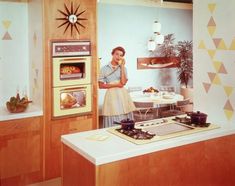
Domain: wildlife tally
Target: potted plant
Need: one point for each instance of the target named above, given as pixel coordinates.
(185, 69)
(167, 49)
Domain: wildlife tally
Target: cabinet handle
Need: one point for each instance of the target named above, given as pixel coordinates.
(74, 59)
(73, 129)
(74, 88)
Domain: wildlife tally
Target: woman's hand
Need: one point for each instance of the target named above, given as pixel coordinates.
(107, 85)
(119, 85)
(123, 78)
(123, 62)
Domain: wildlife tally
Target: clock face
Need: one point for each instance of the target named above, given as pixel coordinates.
(71, 18)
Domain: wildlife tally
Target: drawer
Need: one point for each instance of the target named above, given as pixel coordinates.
(67, 128)
(19, 126)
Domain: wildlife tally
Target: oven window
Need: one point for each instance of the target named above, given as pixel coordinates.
(73, 99)
(72, 71)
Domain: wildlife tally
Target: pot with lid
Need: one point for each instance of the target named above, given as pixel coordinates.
(126, 124)
(198, 118)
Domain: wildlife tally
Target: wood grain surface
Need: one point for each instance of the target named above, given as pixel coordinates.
(55, 128)
(209, 162)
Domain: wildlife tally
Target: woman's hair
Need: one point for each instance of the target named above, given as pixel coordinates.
(120, 49)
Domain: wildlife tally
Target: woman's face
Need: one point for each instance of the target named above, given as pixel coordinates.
(117, 56)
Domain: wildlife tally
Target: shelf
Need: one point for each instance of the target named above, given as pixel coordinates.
(31, 111)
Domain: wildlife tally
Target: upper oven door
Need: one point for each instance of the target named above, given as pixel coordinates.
(71, 71)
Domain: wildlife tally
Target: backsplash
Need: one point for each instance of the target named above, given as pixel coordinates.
(13, 49)
(21, 59)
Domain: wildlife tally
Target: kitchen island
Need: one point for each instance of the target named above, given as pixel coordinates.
(102, 158)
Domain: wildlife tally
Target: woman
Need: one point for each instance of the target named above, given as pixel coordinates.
(113, 77)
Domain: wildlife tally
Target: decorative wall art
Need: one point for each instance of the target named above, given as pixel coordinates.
(6, 25)
(158, 62)
(71, 18)
(214, 58)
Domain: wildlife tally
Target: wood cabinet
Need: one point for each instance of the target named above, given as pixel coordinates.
(210, 162)
(55, 128)
(53, 142)
(30, 148)
(21, 151)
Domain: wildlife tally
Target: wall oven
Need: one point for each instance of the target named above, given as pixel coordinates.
(71, 78)
(69, 71)
(72, 100)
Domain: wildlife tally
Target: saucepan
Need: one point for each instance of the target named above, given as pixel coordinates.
(126, 124)
(198, 118)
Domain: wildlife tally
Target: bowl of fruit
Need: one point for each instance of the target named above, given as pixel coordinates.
(150, 91)
(17, 104)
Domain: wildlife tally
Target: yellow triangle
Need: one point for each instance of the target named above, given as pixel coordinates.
(33, 65)
(217, 65)
(6, 24)
(216, 80)
(232, 46)
(211, 53)
(228, 90)
(228, 113)
(211, 7)
(222, 45)
(211, 30)
(201, 45)
(34, 91)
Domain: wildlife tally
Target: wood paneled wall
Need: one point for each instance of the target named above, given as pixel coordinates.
(54, 128)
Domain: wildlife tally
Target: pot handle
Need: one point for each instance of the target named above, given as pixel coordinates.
(117, 122)
(189, 113)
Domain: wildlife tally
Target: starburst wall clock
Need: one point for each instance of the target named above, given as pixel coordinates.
(71, 18)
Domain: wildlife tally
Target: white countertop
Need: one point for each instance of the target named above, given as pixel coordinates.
(115, 148)
(31, 111)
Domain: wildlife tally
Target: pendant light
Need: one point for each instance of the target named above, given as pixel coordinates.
(159, 38)
(157, 27)
(151, 45)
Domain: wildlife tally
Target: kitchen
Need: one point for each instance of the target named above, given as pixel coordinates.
(40, 134)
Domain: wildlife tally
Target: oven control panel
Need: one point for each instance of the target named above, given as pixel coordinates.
(71, 48)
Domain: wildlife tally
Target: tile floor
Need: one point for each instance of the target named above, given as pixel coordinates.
(52, 182)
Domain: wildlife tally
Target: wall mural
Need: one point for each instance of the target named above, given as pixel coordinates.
(6, 25)
(215, 78)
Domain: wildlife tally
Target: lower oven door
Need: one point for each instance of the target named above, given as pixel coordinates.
(72, 100)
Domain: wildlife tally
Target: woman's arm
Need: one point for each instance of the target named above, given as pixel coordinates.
(123, 79)
(103, 85)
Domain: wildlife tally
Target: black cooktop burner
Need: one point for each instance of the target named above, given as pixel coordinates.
(187, 121)
(138, 134)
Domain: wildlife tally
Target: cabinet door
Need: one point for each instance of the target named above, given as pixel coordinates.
(53, 141)
(21, 151)
(68, 128)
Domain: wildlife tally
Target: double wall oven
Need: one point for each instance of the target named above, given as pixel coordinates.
(71, 78)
